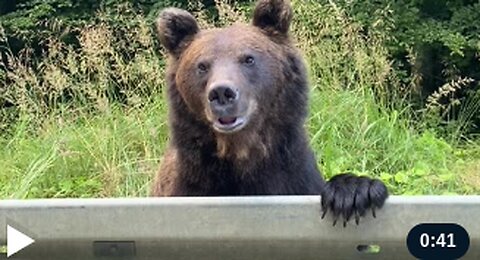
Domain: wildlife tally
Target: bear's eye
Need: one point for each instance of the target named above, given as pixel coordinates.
(202, 67)
(249, 60)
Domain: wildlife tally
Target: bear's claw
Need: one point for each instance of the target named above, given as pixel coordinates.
(346, 195)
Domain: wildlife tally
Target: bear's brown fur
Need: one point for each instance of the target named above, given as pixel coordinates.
(238, 103)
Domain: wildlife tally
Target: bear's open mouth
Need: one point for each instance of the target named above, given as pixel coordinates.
(227, 120)
(229, 124)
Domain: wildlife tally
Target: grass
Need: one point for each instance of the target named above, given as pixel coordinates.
(68, 135)
(109, 155)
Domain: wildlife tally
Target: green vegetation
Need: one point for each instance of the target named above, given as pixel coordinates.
(85, 115)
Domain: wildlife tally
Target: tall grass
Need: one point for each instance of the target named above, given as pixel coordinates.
(84, 155)
(109, 63)
(90, 121)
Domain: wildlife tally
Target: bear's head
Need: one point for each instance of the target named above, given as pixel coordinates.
(245, 76)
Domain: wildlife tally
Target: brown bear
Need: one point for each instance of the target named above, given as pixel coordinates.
(238, 99)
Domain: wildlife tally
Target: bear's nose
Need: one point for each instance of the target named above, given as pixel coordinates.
(222, 95)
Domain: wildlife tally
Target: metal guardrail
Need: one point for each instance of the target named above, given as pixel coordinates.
(271, 227)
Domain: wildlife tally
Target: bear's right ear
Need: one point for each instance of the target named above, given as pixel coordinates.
(175, 29)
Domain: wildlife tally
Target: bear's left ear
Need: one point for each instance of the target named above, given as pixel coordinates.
(175, 29)
(273, 16)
